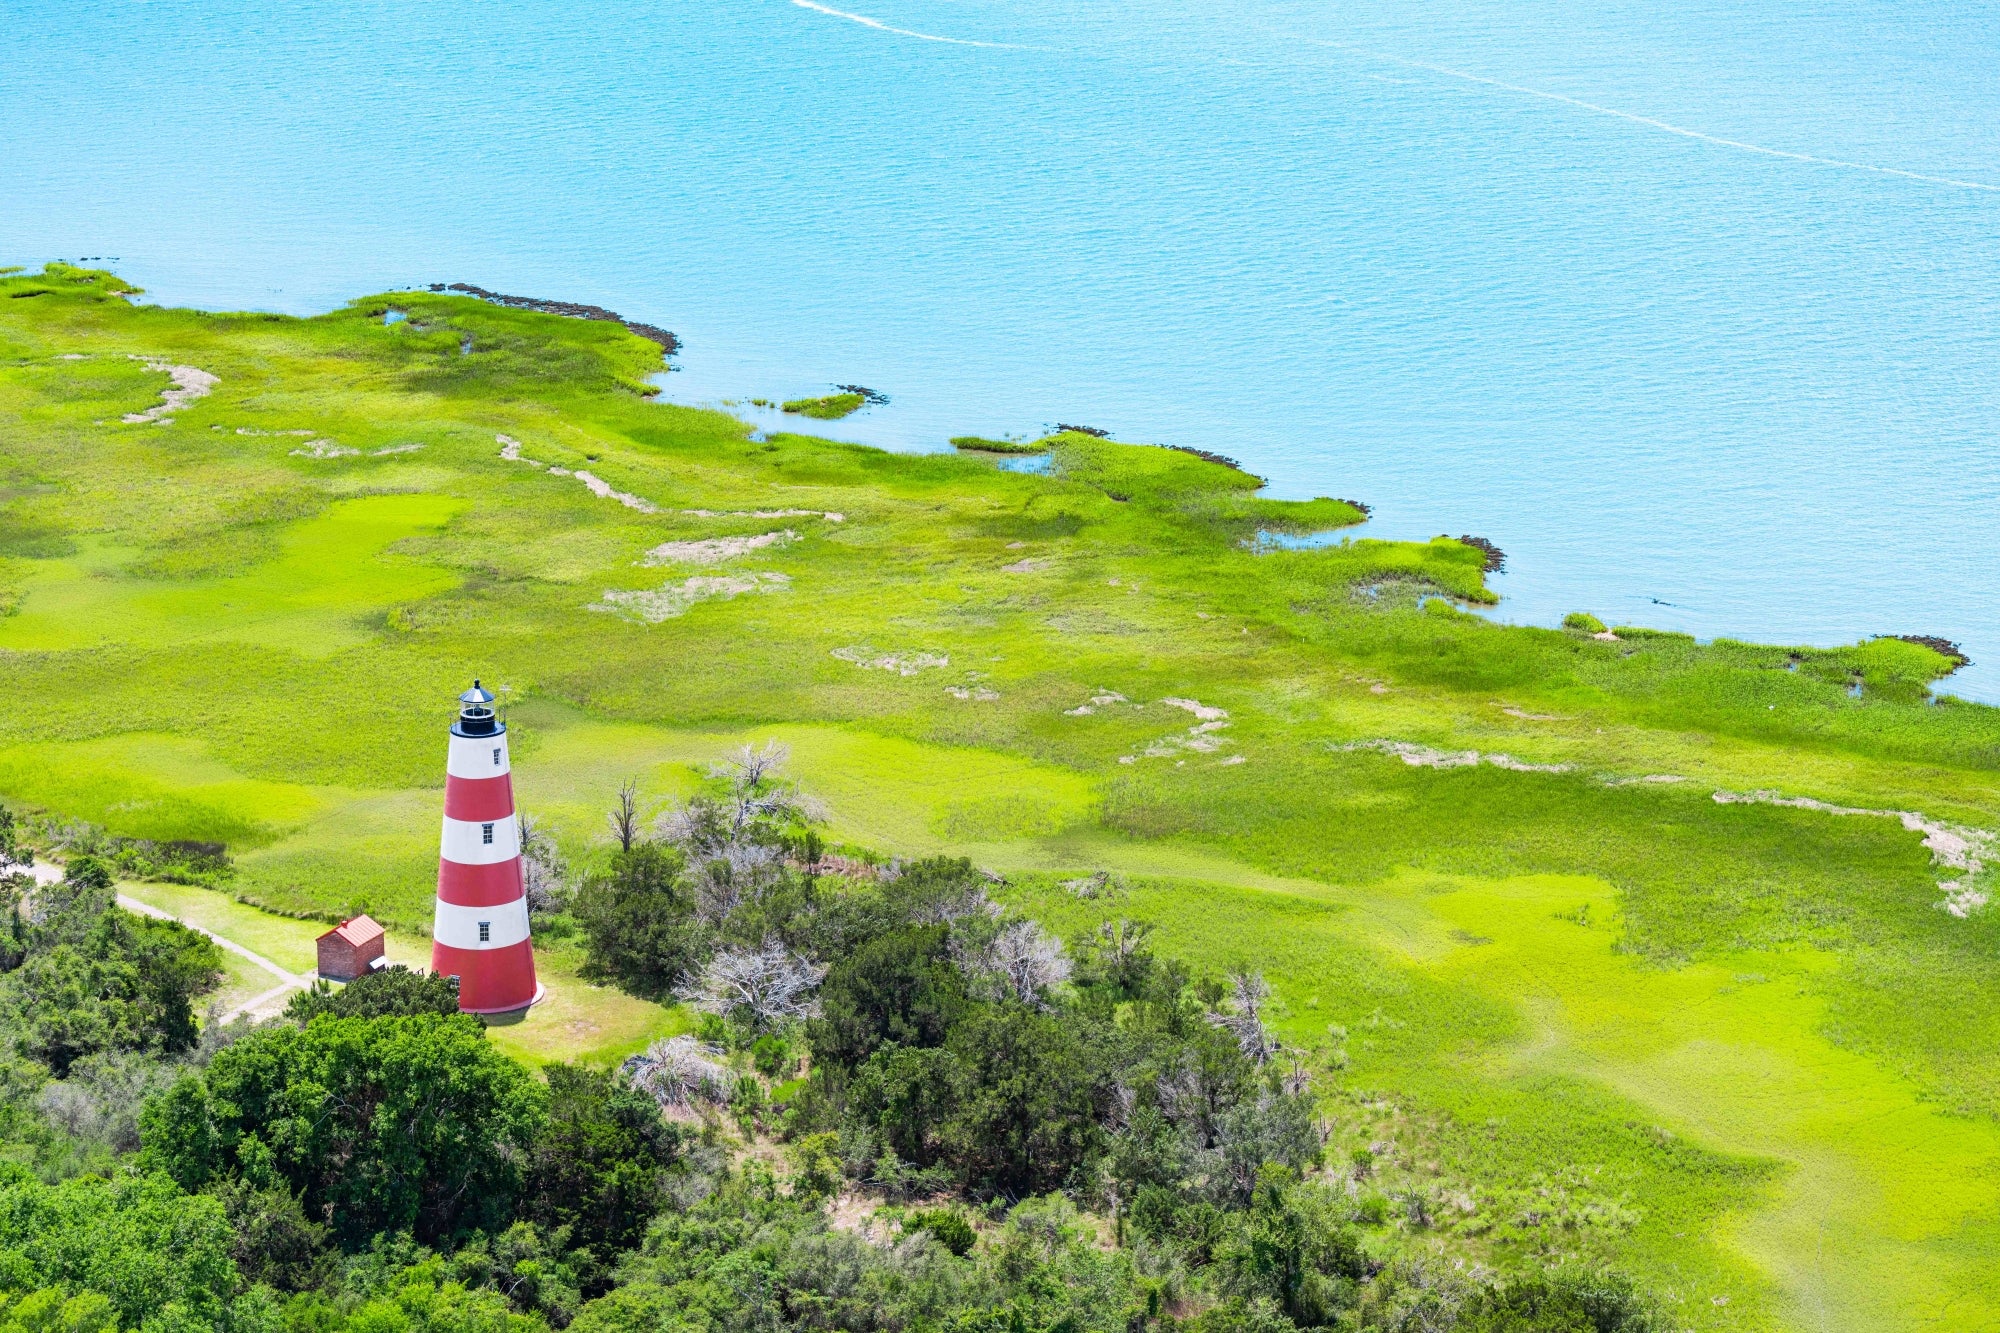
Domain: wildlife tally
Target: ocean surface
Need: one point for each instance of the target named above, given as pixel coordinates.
(1693, 309)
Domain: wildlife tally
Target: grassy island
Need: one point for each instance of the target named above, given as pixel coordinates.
(979, 444)
(1593, 946)
(831, 407)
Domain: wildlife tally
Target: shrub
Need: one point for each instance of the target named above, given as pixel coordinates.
(393, 992)
(947, 1226)
(639, 922)
(1583, 620)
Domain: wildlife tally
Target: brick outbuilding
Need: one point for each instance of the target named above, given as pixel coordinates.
(351, 949)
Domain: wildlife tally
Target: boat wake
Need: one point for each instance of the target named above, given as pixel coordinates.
(880, 26)
(1648, 121)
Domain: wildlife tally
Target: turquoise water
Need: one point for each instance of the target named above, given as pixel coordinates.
(1692, 309)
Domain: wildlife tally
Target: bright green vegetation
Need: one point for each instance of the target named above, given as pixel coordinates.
(1735, 1049)
(979, 444)
(831, 407)
(1584, 621)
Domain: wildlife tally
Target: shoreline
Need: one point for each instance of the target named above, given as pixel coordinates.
(855, 430)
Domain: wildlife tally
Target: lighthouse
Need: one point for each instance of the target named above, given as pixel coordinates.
(480, 932)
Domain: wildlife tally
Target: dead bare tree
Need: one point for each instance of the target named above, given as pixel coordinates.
(771, 984)
(1024, 960)
(544, 872)
(625, 819)
(680, 1074)
(735, 842)
(1246, 1021)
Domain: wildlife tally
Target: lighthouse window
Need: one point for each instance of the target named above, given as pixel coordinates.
(496, 756)
(485, 932)
(486, 833)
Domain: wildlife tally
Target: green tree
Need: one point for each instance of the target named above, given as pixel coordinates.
(1032, 1089)
(1297, 1251)
(900, 987)
(384, 1124)
(907, 1094)
(599, 1165)
(174, 966)
(125, 983)
(275, 1242)
(137, 1240)
(639, 922)
(393, 992)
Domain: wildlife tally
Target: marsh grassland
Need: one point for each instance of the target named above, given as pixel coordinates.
(1559, 993)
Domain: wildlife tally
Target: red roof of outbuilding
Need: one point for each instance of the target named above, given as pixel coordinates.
(357, 930)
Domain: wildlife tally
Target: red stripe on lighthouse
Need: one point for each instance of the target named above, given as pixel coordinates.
(477, 800)
(480, 886)
(490, 981)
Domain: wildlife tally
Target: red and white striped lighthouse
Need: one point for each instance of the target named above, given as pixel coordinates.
(480, 933)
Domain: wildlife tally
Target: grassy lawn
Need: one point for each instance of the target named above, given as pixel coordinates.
(1734, 1045)
(576, 1020)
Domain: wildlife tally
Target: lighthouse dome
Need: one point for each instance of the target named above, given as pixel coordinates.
(475, 713)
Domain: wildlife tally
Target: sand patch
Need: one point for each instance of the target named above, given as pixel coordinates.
(714, 550)
(246, 430)
(826, 514)
(1197, 739)
(1102, 699)
(189, 383)
(976, 692)
(328, 449)
(1028, 566)
(1954, 846)
(651, 606)
(1425, 756)
(897, 663)
(1512, 711)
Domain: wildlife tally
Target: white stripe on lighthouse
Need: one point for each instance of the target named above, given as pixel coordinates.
(467, 842)
(478, 756)
(458, 927)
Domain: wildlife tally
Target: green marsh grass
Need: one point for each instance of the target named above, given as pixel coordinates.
(1736, 1047)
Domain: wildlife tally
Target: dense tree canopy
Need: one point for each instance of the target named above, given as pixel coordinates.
(380, 1125)
(1081, 1137)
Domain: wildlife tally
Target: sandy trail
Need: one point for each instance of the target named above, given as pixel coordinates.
(650, 606)
(1953, 846)
(510, 450)
(1425, 756)
(826, 514)
(189, 383)
(714, 550)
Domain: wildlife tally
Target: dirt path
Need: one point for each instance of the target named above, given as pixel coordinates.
(287, 981)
